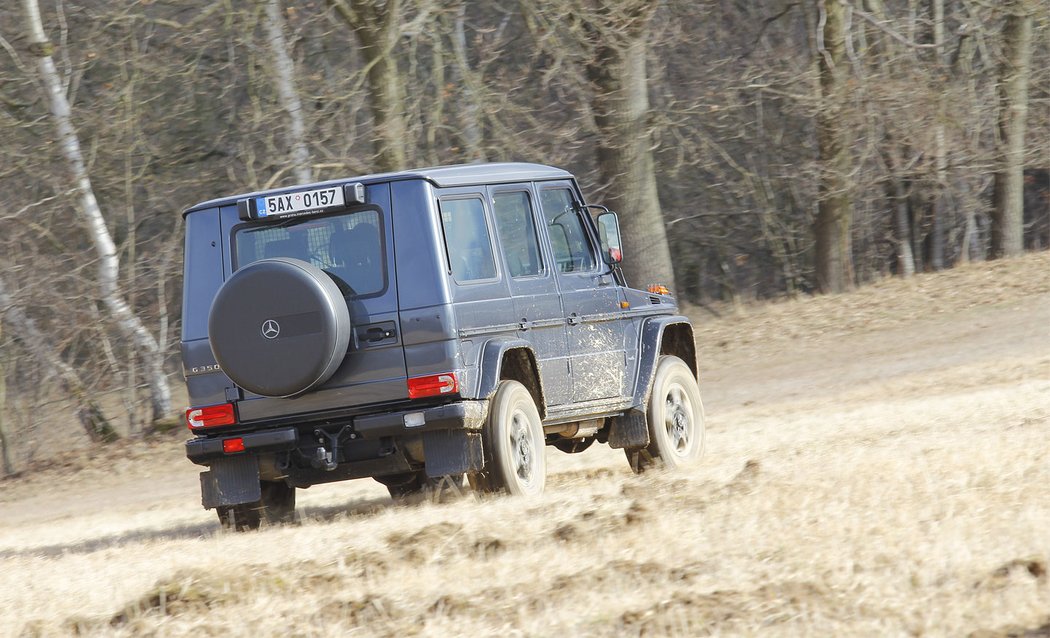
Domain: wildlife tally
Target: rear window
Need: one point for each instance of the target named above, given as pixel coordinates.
(349, 247)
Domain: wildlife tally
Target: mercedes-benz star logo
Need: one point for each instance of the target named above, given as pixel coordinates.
(270, 329)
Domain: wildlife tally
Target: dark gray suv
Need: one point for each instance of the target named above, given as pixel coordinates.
(418, 327)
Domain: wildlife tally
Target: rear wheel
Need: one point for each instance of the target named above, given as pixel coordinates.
(515, 460)
(277, 505)
(417, 486)
(675, 419)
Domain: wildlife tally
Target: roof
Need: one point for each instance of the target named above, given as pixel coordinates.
(453, 175)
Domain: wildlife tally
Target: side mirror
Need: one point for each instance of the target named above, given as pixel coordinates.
(609, 235)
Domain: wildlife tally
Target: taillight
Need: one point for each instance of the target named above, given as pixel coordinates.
(432, 385)
(210, 416)
(232, 446)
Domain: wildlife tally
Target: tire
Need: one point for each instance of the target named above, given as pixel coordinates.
(276, 506)
(675, 418)
(279, 327)
(416, 487)
(515, 460)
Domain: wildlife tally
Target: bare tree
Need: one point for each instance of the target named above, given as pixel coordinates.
(620, 33)
(940, 198)
(834, 250)
(470, 108)
(1014, 71)
(89, 413)
(284, 72)
(377, 25)
(108, 269)
(5, 446)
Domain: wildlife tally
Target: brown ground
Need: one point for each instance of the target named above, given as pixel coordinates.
(875, 465)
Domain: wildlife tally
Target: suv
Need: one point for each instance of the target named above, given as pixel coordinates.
(418, 327)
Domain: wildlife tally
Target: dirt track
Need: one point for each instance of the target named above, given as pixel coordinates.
(876, 465)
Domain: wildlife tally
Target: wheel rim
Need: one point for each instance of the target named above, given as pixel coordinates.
(522, 449)
(678, 419)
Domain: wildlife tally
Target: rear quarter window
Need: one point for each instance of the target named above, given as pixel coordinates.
(468, 242)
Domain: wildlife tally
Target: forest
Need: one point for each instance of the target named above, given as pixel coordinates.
(753, 149)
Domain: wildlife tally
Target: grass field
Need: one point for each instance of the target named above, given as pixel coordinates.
(876, 465)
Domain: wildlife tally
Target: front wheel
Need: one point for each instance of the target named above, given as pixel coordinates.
(276, 505)
(675, 419)
(515, 460)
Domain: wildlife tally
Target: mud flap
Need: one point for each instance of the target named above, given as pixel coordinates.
(452, 452)
(231, 481)
(629, 430)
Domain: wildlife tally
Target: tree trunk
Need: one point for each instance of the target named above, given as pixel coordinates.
(128, 322)
(905, 255)
(377, 26)
(940, 199)
(1008, 211)
(284, 70)
(834, 255)
(470, 109)
(89, 413)
(5, 446)
(625, 156)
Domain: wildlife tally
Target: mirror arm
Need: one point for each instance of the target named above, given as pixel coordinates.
(604, 209)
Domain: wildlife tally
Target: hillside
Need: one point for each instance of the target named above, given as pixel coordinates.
(876, 465)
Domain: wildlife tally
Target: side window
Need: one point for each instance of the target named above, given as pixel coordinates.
(517, 233)
(467, 239)
(569, 241)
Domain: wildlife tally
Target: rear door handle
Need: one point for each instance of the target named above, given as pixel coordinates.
(378, 334)
(574, 319)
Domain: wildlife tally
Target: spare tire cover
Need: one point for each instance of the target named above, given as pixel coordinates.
(279, 327)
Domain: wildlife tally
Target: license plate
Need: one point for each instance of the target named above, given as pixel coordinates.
(293, 203)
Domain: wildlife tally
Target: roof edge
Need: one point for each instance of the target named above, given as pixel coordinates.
(442, 176)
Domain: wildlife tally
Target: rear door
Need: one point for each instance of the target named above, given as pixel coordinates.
(355, 247)
(537, 305)
(476, 276)
(590, 298)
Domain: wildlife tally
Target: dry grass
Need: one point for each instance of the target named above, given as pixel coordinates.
(876, 465)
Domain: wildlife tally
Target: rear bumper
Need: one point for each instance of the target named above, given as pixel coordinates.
(463, 415)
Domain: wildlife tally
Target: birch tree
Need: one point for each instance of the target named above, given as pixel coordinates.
(91, 215)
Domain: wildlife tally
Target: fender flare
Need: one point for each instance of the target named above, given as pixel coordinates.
(652, 337)
(491, 364)
(630, 430)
